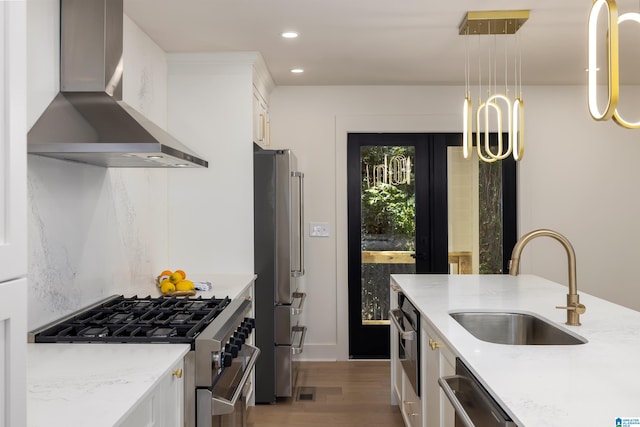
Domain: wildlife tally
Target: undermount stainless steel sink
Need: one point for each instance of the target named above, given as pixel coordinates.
(514, 328)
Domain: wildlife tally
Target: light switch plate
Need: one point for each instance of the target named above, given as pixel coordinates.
(319, 229)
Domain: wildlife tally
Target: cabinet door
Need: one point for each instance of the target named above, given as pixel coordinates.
(13, 353)
(411, 404)
(168, 399)
(13, 131)
(439, 361)
(164, 406)
(447, 413)
(260, 120)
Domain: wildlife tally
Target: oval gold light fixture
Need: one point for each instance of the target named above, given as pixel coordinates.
(497, 110)
(611, 37)
(617, 117)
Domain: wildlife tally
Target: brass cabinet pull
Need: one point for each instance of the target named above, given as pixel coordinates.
(433, 344)
(407, 409)
(177, 373)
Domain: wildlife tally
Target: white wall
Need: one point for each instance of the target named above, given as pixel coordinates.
(577, 177)
(211, 210)
(92, 232)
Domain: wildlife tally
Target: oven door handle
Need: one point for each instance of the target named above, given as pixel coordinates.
(395, 315)
(221, 406)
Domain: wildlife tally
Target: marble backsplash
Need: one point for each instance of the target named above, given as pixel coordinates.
(93, 232)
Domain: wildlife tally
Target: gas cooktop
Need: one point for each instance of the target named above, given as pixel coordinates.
(120, 319)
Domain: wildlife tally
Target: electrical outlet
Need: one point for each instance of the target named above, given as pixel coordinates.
(319, 229)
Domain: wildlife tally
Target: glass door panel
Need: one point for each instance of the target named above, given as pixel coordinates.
(462, 199)
(388, 224)
(481, 212)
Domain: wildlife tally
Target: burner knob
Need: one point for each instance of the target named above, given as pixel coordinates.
(225, 359)
(246, 330)
(240, 335)
(236, 341)
(231, 348)
(249, 321)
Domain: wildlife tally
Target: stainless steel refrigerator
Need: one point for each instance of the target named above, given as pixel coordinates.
(279, 262)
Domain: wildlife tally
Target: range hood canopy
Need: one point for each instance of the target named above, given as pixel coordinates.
(87, 121)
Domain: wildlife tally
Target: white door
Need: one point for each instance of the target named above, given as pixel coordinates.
(13, 132)
(13, 226)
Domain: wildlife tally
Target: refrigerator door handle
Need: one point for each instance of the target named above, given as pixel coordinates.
(299, 269)
(296, 309)
(301, 331)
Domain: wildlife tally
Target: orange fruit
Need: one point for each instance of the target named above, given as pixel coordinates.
(184, 275)
(166, 273)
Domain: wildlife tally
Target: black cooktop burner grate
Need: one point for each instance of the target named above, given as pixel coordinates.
(137, 320)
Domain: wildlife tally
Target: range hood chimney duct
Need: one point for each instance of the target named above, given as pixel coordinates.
(87, 121)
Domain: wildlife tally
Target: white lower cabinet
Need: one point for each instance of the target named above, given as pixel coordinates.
(437, 361)
(164, 406)
(411, 405)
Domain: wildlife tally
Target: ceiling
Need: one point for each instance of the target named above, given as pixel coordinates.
(367, 42)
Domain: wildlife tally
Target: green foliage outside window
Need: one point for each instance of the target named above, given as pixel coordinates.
(387, 209)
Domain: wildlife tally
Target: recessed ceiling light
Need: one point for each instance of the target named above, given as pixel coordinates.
(289, 34)
(297, 70)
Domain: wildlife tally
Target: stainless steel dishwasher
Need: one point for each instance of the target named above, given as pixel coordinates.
(474, 406)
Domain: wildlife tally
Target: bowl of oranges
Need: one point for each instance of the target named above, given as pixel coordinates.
(175, 283)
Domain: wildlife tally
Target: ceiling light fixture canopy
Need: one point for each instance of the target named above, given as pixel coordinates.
(495, 110)
(610, 37)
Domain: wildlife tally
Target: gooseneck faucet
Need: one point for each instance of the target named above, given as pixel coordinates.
(573, 307)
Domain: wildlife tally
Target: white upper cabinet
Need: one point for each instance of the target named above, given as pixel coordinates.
(261, 125)
(262, 87)
(13, 133)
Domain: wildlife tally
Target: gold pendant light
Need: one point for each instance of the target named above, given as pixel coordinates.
(611, 39)
(497, 109)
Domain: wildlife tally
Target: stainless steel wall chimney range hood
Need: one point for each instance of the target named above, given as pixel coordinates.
(87, 121)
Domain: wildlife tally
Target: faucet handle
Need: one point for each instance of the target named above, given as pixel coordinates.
(578, 308)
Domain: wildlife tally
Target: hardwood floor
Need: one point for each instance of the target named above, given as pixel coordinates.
(345, 394)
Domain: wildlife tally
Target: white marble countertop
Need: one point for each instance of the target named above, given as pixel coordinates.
(99, 384)
(223, 285)
(93, 384)
(590, 384)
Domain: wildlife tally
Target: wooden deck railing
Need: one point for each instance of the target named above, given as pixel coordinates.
(461, 259)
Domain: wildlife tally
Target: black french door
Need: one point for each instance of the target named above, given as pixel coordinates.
(376, 251)
(398, 222)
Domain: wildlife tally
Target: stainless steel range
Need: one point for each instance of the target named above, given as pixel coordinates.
(216, 370)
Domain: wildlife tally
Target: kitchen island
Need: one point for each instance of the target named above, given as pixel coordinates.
(114, 384)
(589, 384)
